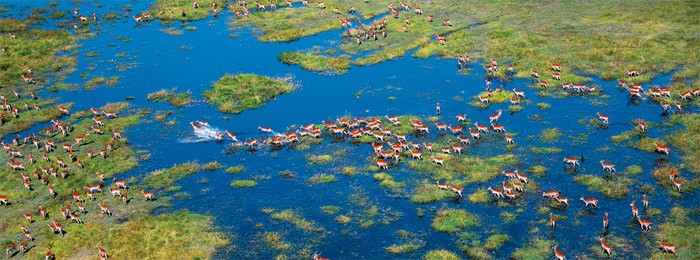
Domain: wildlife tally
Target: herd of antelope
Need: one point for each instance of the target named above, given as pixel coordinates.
(57, 166)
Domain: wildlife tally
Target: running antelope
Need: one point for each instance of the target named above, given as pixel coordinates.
(571, 160)
(457, 190)
(608, 166)
(382, 164)
(590, 201)
(519, 93)
(631, 73)
(438, 161)
(552, 194)
(645, 201)
(606, 247)
(101, 252)
(495, 117)
(667, 248)
(564, 200)
(642, 125)
(644, 224)
(662, 148)
(602, 117)
(442, 186)
(495, 192)
(521, 177)
(104, 209)
(677, 183)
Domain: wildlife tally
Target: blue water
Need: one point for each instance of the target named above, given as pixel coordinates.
(211, 53)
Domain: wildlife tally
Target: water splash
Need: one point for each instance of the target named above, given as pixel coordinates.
(205, 133)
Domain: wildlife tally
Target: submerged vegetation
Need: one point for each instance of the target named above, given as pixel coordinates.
(453, 220)
(616, 188)
(317, 62)
(235, 93)
(171, 96)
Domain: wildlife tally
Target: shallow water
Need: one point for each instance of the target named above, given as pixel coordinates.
(417, 84)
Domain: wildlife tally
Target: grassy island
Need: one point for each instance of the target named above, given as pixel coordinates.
(235, 93)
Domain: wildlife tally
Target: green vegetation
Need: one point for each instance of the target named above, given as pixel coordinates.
(235, 93)
(687, 140)
(634, 170)
(27, 119)
(441, 254)
(317, 62)
(294, 218)
(322, 178)
(35, 49)
(343, 219)
(211, 166)
(453, 220)
(429, 193)
(538, 170)
(404, 248)
(179, 6)
(387, 181)
(463, 170)
(550, 135)
(615, 188)
(494, 242)
(537, 249)
(244, 184)
(166, 177)
(680, 229)
(546, 150)
(330, 210)
(319, 159)
(688, 184)
(480, 196)
(350, 170)
(543, 105)
(176, 99)
(172, 31)
(276, 241)
(235, 169)
(94, 82)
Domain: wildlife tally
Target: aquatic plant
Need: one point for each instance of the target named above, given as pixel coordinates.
(537, 248)
(211, 166)
(276, 241)
(330, 210)
(429, 193)
(235, 169)
(319, 159)
(479, 196)
(543, 105)
(453, 220)
(173, 10)
(538, 170)
(165, 177)
(294, 218)
(494, 242)
(404, 248)
(343, 219)
(680, 229)
(172, 31)
(322, 178)
(317, 62)
(441, 254)
(546, 150)
(550, 135)
(615, 188)
(235, 93)
(634, 170)
(244, 184)
(171, 96)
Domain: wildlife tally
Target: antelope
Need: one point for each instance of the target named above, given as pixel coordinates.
(63, 110)
(498, 128)
(509, 174)
(486, 99)
(608, 166)
(441, 126)
(553, 223)
(635, 211)
(645, 201)
(461, 118)
(644, 224)
(440, 38)
(464, 140)
(665, 105)
(98, 122)
(602, 117)
(495, 192)
(667, 248)
(662, 148)
(416, 155)
(428, 147)
(642, 125)
(83, 18)
(125, 197)
(447, 22)
(474, 134)
(104, 209)
(442, 186)
(81, 208)
(27, 235)
(456, 148)
(120, 183)
(58, 227)
(631, 73)
(317, 256)
(9, 248)
(534, 73)
(519, 187)
(455, 130)
(148, 195)
(481, 128)
(564, 200)
(665, 92)
(556, 76)
(605, 221)
(77, 197)
(457, 190)
(382, 164)
(495, 117)
(606, 247)
(679, 106)
(81, 138)
(685, 95)
(438, 161)
(553, 194)
(75, 218)
(591, 201)
(571, 160)
(518, 93)
(677, 183)
(506, 187)
(16, 166)
(521, 177)
(116, 134)
(543, 83)
(101, 252)
(42, 210)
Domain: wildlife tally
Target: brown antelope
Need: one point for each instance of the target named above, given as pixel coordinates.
(553, 223)
(631, 73)
(461, 118)
(428, 147)
(16, 166)
(447, 22)
(667, 248)
(553, 194)
(602, 117)
(104, 209)
(644, 224)
(455, 130)
(148, 195)
(438, 161)
(521, 177)
(497, 127)
(509, 174)
(101, 252)
(590, 201)
(518, 93)
(457, 190)
(484, 99)
(517, 186)
(608, 166)
(506, 187)
(495, 117)
(442, 186)
(605, 221)
(77, 197)
(573, 161)
(416, 155)
(464, 140)
(456, 148)
(42, 210)
(495, 192)
(382, 164)
(606, 247)
(75, 218)
(543, 83)
(317, 256)
(509, 139)
(481, 128)
(677, 183)
(564, 200)
(662, 148)
(635, 211)
(9, 248)
(120, 183)
(115, 192)
(642, 125)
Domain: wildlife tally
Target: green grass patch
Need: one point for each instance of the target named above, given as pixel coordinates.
(349, 170)
(634, 170)
(322, 178)
(294, 218)
(171, 96)
(538, 170)
(317, 62)
(343, 219)
(682, 230)
(536, 249)
(166, 177)
(235, 93)
(404, 248)
(319, 159)
(550, 135)
(276, 241)
(429, 193)
(330, 210)
(687, 140)
(179, 6)
(244, 184)
(615, 188)
(546, 150)
(463, 170)
(211, 166)
(480, 196)
(543, 105)
(94, 82)
(515, 108)
(235, 169)
(441, 254)
(494, 242)
(453, 220)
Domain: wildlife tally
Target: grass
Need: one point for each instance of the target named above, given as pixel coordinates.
(387, 181)
(404, 248)
(615, 188)
(235, 93)
(294, 218)
(453, 220)
(682, 230)
(546, 150)
(172, 31)
(276, 241)
(550, 135)
(429, 193)
(36, 49)
(177, 6)
(634, 170)
(441, 254)
(343, 219)
(536, 249)
(538, 170)
(494, 242)
(322, 178)
(235, 169)
(319, 159)
(543, 105)
(243, 184)
(479, 196)
(689, 184)
(167, 177)
(317, 62)
(30, 118)
(94, 82)
(349, 170)
(176, 99)
(463, 170)
(687, 140)
(330, 210)
(211, 166)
